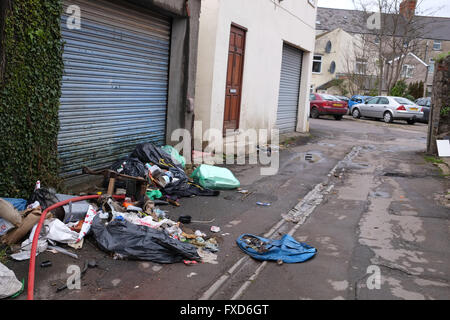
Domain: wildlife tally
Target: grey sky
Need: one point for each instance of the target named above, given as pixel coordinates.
(426, 6)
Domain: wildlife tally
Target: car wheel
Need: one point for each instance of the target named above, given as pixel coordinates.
(338, 117)
(410, 121)
(314, 113)
(356, 114)
(387, 117)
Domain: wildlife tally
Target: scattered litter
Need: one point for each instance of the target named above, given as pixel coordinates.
(211, 245)
(34, 205)
(207, 257)
(185, 219)
(189, 262)
(190, 275)
(198, 233)
(264, 204)
(46, 264)
(5, 226)
(215, 229)
(156, 268)
(287, 249)
(225, 234)
(243, 191)
(62, 250)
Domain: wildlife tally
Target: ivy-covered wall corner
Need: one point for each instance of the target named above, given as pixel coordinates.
(30, 90)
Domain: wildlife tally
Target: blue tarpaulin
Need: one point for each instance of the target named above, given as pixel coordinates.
(286, 249)
(19, 204)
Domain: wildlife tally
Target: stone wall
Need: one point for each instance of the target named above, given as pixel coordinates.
(439, 126)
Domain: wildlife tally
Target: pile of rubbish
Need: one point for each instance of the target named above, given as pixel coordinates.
(129, 225)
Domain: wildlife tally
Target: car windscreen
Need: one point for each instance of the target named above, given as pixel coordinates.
(404, 101)
(328, 97)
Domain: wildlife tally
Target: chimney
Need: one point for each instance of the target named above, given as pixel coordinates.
(408, 8)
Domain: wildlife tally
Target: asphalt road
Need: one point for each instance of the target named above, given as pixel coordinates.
(379, 207)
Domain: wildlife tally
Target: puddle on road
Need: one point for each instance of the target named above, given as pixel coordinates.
(379, 194)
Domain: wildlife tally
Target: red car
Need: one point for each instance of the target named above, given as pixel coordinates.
(325, 104)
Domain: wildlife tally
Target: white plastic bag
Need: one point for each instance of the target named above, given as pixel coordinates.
(9, 285)
(58, 231)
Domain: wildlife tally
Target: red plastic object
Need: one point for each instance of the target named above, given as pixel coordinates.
(32, 268)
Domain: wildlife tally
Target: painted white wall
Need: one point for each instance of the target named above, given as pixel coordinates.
(268, 23)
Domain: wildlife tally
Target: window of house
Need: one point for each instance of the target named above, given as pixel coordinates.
(437, 45)
(377, 40)
(407, 71)
(431, 66)
(361, 66)
(317, 64)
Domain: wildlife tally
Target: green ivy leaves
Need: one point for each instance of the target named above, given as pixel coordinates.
(29, 97)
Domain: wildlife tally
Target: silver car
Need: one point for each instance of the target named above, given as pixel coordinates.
(389, 109)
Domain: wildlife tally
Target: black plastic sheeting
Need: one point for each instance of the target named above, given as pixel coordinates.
(47, 198)
(149, 153)
(141, 242)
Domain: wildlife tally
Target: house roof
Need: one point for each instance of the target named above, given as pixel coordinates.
(409, 54)
(354, 21)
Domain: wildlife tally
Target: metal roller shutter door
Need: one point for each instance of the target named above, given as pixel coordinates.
(115, 84)
(291, 68)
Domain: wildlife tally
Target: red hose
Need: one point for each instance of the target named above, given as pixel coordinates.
(31, 270)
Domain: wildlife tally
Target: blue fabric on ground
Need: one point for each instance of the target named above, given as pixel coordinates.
(286, 249)
(19, 204)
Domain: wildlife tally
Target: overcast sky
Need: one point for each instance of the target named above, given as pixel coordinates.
(426, 6)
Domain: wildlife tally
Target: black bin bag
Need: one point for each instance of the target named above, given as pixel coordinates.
(141, 243)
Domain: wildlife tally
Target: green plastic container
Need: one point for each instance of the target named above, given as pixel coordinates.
(215, 178)
(175, 155)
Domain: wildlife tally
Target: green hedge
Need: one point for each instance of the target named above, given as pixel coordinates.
(29, 97)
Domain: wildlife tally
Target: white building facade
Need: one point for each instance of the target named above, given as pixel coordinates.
(254, 65)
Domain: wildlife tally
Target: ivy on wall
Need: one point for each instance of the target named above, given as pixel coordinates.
(29, 97)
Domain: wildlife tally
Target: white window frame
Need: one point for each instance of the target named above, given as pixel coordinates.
(409, 72)
(317, 60)
(437, 42)
(312, 2)
(363, 63)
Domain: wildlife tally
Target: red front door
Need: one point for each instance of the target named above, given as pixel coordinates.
(234, 78)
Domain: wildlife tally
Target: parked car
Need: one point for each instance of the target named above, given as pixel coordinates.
(342, 98)
(325, 104)
(389, 109)
(357, 99)
(426, 105)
